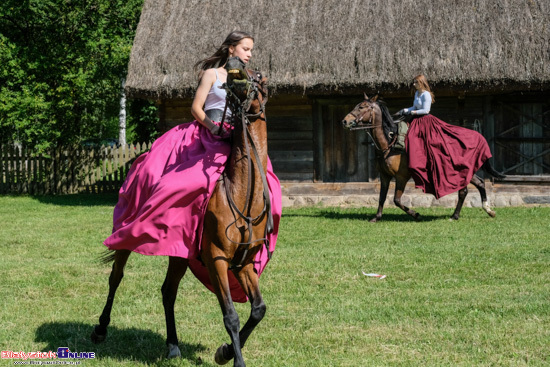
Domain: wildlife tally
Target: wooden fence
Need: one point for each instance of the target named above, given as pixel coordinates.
(66, 170)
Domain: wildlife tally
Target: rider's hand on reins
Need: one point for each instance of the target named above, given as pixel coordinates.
(403, 112)
(218, 130)
(215, 129)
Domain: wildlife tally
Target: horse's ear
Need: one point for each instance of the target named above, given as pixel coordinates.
(366, 97)
(375, 98)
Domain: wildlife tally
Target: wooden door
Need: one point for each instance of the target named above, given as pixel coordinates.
(522, 137)
(341, 155)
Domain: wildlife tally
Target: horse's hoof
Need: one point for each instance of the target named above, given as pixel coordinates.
(373, 220)
(218, 357)
(488, 209)
(173, 351)
(453, 219)
(97, 338)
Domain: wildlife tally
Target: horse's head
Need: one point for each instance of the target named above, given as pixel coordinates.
(237, 77)
(362, 115)
(246, 89)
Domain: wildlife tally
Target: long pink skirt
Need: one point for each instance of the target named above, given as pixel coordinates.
(442, 157)
(162, 202)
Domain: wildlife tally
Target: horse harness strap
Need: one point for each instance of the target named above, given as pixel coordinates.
(387, 151)
(371, 125)
(250, 221)
(240, 214)
(368, 126)
(359, 119)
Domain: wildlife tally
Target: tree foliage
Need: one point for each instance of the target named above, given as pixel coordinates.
(61, 64)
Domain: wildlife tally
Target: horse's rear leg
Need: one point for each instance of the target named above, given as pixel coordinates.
(117, 273)
(176, 270)
(384, 186)
(249, 282)
(217, 270)
(461, 196)
(480, 185)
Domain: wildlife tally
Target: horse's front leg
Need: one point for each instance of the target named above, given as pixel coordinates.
(217, 269)
(177, 267)
(400, 184)
(117, 273)
(461, 196)
(384, 186)
(250, 284)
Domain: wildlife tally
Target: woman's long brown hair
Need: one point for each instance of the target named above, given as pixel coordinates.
(220, 57)
(424, 86)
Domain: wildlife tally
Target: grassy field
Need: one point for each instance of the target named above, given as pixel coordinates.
(469, 293)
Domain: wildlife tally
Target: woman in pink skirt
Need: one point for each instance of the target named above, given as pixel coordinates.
(164, 197)
(442, 157)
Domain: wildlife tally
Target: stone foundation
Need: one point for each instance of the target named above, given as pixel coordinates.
(365, 194)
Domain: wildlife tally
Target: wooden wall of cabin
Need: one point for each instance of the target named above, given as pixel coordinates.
(290, 138)
(307, 143)
(290, 133)
(173, 112)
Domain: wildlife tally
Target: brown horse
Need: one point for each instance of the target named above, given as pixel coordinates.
(392, 162)
(237, 220)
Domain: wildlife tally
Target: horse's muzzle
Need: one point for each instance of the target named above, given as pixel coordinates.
(348, 124)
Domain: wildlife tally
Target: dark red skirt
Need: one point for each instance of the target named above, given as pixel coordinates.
(442, 157)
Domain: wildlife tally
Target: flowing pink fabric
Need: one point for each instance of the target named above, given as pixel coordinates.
(442, 157)
(162, 202)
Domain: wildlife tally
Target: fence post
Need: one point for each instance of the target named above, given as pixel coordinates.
(43, 175)
(17, 169)
(28, 170)
(40, 174)
(2, 170)
(3, 178)
(54, 175)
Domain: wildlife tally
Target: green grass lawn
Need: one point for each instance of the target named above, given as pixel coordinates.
(470, 293)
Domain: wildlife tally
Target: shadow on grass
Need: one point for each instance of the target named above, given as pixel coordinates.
(368, 216)
(130, 344)
(105, 199)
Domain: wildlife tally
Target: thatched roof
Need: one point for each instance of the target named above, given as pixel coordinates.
(337, 46)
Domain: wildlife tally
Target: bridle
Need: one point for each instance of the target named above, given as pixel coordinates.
(358, 123)
(240, 114)
(369, 125)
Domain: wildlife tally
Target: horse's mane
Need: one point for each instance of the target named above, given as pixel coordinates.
(388, 124)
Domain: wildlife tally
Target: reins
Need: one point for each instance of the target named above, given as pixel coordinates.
(241, 109)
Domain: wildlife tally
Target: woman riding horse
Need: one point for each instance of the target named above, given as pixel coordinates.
(443, 158)
(168, 194)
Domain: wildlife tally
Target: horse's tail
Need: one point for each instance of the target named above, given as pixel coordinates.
(487, 167)
(107, 257)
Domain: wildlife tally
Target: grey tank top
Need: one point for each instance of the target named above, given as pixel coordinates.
(215, 100)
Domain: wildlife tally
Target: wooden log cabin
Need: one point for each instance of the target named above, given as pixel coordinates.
(488, 64)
